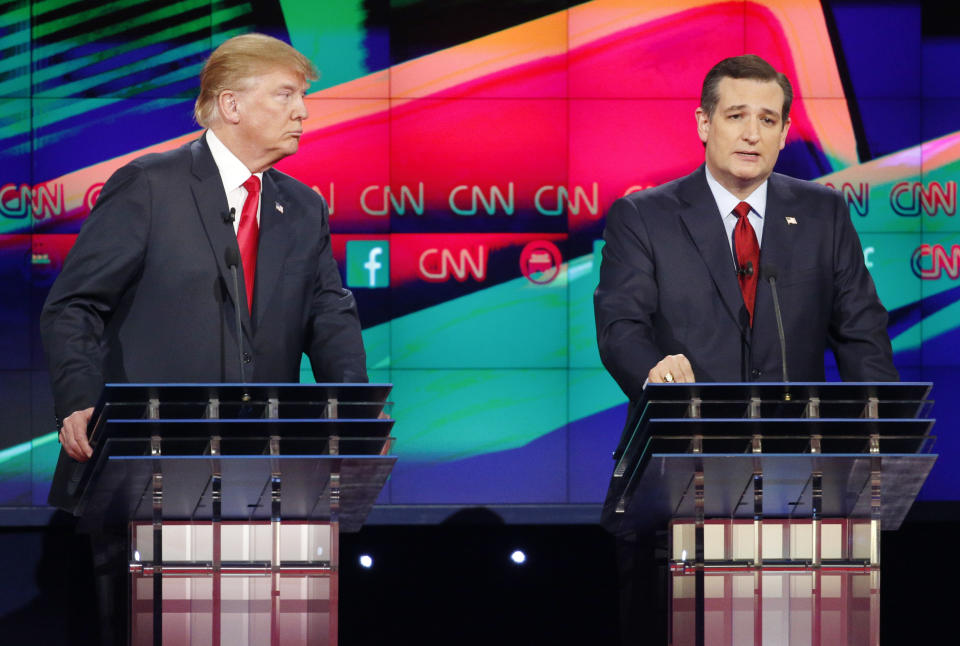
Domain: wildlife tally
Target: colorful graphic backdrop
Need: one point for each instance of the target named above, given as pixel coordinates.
(468, 151)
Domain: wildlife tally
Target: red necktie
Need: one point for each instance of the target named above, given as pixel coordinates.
(748, 256)
(248, 235)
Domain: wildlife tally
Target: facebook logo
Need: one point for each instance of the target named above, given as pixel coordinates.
(368, 263)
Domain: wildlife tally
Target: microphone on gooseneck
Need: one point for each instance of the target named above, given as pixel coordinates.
(229, 216)
(232, 256)
(769, 272)
(746, 270)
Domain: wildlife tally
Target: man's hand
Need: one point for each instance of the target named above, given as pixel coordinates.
(673, 368)
(73, 435)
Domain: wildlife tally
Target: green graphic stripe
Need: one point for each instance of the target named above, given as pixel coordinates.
(44, 29)
(36, 459)
(15, 451)
(331, 35)
(65, 111)
(453, 414)
(45, 73)
(223, 15)
(83, 84)
(15, 120)
(17, 37)
(927, 329)
(16, 67)
(449, 415)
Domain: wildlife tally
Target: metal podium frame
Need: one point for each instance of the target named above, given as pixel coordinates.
(730, 458)
(220, 483)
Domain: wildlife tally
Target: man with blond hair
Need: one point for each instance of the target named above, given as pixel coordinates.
(147, 294)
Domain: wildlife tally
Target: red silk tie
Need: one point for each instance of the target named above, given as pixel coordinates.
(248, 235)
(748, 256)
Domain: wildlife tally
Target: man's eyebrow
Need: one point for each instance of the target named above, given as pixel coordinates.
(744, 106)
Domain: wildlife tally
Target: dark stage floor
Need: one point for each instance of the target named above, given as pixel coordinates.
(454, 583)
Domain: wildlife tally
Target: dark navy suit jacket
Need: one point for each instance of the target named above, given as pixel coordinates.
(668, 285)
(145, 295)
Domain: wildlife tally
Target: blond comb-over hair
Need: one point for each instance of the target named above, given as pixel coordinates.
(237, 61)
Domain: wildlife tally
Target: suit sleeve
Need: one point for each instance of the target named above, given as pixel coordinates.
(99, 270)
(625, 302)
(334, 342)
(858, 327)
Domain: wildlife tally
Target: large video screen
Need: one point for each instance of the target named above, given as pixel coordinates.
(468, 152)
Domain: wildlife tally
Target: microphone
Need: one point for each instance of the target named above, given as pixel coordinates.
(746, 270)
(229, 216)
(770, 273)
(232, 256)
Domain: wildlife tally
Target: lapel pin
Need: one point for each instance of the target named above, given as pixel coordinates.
(280, 207)
(791, 220)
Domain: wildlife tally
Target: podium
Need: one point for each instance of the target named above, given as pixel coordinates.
(234, 496)
(774, 496)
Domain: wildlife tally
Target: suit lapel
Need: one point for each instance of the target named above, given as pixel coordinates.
(781, 222)
(782, 208)
(211, 201)
(273, 246)
(705, 227)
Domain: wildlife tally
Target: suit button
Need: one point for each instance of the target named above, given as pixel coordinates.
(247, 358)
(755, 373)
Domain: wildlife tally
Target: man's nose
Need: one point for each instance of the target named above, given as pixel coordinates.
(751, 131)
(300, 109)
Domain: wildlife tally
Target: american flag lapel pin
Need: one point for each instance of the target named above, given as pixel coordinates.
(790, 219)
(280, 207)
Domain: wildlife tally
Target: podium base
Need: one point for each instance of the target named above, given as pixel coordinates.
(234, 583)
(799, 607)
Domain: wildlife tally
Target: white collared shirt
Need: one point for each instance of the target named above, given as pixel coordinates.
(727, 201)
(233, 173)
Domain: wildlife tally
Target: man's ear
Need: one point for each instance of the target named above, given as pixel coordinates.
(227, 106)
(783, 133)
(703, 124)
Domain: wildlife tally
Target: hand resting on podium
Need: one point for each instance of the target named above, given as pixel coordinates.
(73, 435)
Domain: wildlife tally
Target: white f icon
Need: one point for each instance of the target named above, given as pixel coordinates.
(372, 265)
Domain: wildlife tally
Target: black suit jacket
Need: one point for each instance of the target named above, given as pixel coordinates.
(668, 285)
(145, 295)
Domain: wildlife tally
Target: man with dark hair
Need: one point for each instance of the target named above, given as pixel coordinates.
(748, 66)
(681, 295)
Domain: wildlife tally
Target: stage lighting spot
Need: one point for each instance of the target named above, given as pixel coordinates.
(136, 555)
(518, 557)
(366, 561)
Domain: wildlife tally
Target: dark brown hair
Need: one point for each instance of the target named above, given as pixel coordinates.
(748, 66)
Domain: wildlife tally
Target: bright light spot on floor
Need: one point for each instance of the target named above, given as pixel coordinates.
(366, 561)
(518, 557)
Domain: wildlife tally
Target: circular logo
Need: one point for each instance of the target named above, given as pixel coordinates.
(540, 262)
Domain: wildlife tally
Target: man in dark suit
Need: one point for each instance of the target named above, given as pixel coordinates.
(684, 292)
(146, 293)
